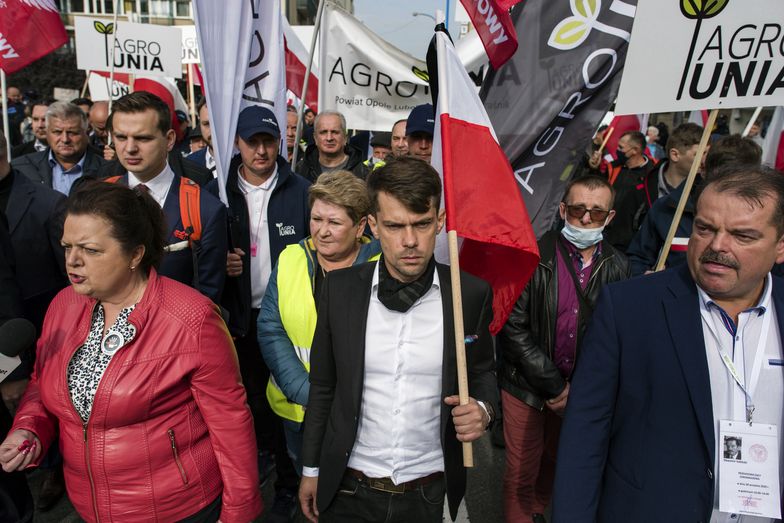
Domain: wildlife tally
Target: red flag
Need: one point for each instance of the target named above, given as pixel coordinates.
(197, 80)
(297, 58)
(124, 78)
(773, 147)
(483, 202)
(29, 29)
(167, 91)
(494, 27)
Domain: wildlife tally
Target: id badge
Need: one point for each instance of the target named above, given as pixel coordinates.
(749, 469)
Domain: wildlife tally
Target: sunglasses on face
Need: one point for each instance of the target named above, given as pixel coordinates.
(578, 211)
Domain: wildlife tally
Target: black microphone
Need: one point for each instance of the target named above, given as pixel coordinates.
(16, 335)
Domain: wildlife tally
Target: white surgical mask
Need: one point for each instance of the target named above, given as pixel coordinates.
(580, 237)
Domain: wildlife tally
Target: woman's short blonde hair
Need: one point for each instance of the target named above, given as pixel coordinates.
(343, 189)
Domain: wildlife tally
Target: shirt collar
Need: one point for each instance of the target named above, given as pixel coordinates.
(53, 161)
(158, 186)
(374, 282)
(761, 307)
(247, 187)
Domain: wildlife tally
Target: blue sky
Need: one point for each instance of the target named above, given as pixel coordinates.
(394, 22)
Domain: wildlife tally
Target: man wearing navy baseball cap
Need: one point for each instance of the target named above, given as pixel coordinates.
(419, 131)
(268, 209)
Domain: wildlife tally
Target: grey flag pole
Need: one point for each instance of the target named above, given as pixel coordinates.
(301, 111)
(6, 127)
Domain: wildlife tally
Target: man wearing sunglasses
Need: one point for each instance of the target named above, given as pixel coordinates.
(541, 338)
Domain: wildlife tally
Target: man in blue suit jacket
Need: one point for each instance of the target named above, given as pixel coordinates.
(640, 439)
(142, 135)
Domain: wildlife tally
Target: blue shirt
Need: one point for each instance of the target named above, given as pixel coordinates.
(62, 179)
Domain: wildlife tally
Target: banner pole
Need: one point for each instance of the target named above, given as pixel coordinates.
(606, 139)
(6, 126)
(301, 111)
(86, 83)
(191, 96)
(753, 119)
(111, 65)
(687, 189)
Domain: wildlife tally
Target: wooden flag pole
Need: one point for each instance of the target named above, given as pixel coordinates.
(687, 189)
(457, 308)
(606, 139)
(191, 96)
(86, 84)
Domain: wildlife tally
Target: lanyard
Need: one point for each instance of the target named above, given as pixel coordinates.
(748, 390)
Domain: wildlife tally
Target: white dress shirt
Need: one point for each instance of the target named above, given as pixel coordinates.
(257, 198)
(158, 186)
(399, 432)
(729, 401)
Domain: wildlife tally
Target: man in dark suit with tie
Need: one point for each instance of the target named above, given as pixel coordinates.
(641, 440)
(141, 131)
(383, 423)
(68, 156)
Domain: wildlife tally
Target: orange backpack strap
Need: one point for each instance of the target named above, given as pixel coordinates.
(612, 173)
(190, 208)
(113, 179)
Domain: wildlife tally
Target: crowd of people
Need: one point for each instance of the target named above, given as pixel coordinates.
(189, 350)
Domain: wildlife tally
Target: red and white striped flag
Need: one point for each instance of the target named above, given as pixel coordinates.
(29, 29)
(773, 149)
(166, 90)
(297, 58)
(699, 117)
(483, 202)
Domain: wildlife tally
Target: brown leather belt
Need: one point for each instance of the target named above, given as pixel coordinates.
(386, 484)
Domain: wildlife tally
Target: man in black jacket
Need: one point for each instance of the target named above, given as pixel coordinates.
(541, 338)
(331, 151)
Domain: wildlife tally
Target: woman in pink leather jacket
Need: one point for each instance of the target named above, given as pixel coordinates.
(138, 376)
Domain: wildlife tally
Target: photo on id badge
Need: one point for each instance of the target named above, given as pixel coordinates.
(732, 448)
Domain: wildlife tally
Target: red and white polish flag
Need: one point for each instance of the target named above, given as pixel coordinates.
(623, 124)
(165, 89)
(297, 58)
(483, 202)
(29, 29)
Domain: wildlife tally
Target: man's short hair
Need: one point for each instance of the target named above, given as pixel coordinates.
(592, 183)
(65, 111)
(46, 102)
(139, 102)
(684, 136)
(732, 149)
(637, 138)
(751, 183)
(654, 130)
(408, 179)
(404, 120)
(340, 116)
(202, 102)
(82, 101)
(732, 438)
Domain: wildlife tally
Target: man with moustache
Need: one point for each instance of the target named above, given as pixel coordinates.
(666, 368)
(383, 425)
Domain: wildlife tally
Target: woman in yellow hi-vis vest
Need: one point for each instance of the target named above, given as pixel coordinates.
(339, 205)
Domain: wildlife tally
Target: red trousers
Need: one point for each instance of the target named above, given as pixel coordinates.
(531, 438)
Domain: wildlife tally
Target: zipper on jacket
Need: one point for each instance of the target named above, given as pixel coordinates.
(177, 456)
(89, 470)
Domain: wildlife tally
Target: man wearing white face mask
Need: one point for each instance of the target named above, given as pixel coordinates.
(540, 341)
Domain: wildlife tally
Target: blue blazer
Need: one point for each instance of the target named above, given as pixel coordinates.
(638, 443)
(210, 250)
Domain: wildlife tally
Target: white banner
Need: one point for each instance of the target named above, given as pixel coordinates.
(99, 88)
(190, 45)
(716, 54)
(242, 64)
(138, 48)
(371, 82)
(265, 76)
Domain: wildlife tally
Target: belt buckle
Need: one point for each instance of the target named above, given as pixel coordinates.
(380, 484)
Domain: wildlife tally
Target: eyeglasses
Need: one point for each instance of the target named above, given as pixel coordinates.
(578, 211)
